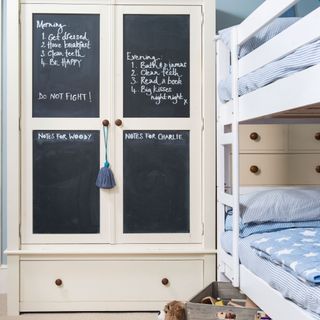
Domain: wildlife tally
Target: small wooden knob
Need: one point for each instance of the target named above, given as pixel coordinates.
(317, 136)
(165, 281)
(254, 169)
(254, 136)
(58, 282)
(318, 169)
(118, 122)
(105, 123)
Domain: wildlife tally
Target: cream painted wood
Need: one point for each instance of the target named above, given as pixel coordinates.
(124, 280)
(193, 124)
(273, 169)
(3, 279)
(13, 153)
(302, 168)
(302, 138)
(209, 120)
(118, 2)
(187, 260)
(28, 124)
(13, 282)
(271, 138)
(12, 121)
(279, 169)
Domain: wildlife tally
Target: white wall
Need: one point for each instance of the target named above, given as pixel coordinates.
(3, 204)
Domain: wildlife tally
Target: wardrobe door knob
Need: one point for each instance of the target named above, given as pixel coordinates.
(254, 169)
(58, 282)
(118, 122)
(254, 136)
(105, 123)
(317, 136)
(318, 169)
(165, 281)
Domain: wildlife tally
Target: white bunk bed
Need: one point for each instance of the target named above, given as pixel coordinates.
(294, 98)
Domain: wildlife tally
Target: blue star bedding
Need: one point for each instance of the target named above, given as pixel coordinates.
(297, 250)
(302, 293)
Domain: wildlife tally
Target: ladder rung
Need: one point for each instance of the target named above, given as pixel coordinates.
(225, 139)
(225, 198)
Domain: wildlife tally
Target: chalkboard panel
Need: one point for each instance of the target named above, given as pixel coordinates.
(65, 168)
(156, 65)
(65, 68)
(156, 181)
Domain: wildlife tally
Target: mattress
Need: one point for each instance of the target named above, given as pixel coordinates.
(301, 59)
(308, 297)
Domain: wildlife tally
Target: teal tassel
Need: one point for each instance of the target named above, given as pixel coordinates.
(105, 179)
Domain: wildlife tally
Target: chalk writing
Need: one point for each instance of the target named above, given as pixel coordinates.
(66, 65)
(60, 47)
(160, 136)
(56, 136)
(66, 96)
(157, 78)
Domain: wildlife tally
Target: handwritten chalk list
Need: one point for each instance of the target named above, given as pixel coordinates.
(161, 81)
(156, 66)
(66, 65)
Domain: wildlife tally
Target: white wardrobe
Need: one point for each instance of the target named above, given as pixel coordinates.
(127, 81)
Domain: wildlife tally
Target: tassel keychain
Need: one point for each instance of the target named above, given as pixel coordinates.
(105, 179)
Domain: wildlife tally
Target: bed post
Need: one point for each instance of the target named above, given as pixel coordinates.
(235, 157)
(223, 183)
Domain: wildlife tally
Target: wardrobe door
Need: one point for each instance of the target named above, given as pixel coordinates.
(158, 124)
(63, 106)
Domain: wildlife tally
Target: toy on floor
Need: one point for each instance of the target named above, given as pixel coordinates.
(174, 310)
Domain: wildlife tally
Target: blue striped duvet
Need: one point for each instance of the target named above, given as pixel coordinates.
(303, 58)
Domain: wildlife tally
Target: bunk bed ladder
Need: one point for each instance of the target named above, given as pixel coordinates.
(228, 161)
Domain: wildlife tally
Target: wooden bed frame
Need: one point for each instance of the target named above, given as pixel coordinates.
(293, 99)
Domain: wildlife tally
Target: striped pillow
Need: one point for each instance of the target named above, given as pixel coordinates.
(280, 205)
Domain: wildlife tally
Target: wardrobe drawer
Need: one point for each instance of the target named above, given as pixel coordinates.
(304, 138)
(92, 281)
(263, 138)
(278, 169)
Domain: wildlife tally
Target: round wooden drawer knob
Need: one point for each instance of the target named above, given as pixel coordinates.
(105, 123)
(165, 281)
(318, 169)
(58, 282)
(317, 136)
(118, 122)
(254, 169)
(254, 136)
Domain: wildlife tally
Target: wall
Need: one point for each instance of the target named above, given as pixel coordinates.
(3, 216)
(3, 232)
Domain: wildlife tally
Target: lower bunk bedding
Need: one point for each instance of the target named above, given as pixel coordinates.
(302, 293)
(280, 241)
